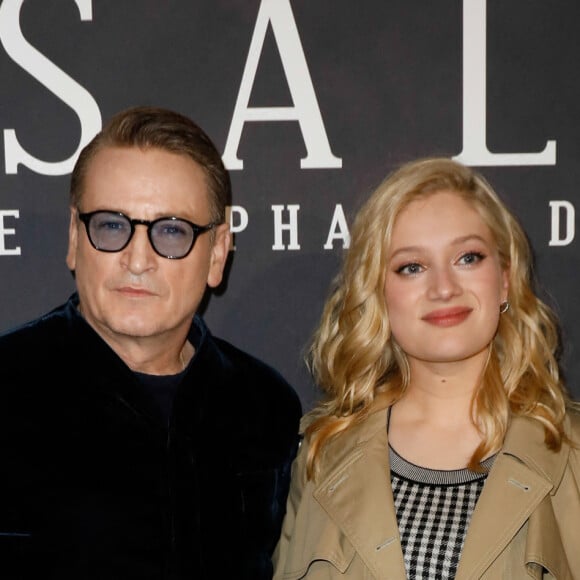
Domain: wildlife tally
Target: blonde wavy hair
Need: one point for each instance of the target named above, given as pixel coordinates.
(359, 366)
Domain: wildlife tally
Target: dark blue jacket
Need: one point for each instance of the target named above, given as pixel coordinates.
(95, 485)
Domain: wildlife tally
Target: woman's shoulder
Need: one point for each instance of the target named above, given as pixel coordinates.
(572, 427)
(340, 447)
(573, 420)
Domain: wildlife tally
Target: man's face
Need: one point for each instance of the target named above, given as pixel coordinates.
(135, 292)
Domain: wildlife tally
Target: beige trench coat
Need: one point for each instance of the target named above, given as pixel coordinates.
(526, 523)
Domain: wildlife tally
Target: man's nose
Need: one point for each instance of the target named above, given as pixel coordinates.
(139, 255)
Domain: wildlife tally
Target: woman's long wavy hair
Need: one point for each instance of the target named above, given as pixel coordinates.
(356, 362)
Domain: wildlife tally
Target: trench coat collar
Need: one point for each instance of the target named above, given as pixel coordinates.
(355, 491)
(518, 489)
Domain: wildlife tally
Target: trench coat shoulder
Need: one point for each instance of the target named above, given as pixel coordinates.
(525, 523)
(573, 432)
(341, 448)
(565, 497)
(343, 524)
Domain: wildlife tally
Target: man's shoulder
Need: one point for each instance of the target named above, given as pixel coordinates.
(243, 359)
(33, 354)
(234, 359)
(42, 329)
(251, 394)
(255, 377)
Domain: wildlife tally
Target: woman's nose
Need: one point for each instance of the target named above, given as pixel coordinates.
(444, 283)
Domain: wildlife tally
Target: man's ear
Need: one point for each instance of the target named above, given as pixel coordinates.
(219, 254)
(73, 231)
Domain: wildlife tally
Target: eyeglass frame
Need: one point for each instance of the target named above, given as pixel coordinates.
(85, 218)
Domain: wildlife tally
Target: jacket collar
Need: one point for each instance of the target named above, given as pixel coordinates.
(111, 376)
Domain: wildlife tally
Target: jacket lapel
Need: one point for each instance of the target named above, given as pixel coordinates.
(509, 496)
(521, 478)
(357, 495)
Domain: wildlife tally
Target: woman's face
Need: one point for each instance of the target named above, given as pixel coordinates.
(444, 283)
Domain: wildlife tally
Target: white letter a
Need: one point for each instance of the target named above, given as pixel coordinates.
(305, 110)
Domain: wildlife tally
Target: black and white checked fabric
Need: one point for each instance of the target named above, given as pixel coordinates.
(433, 512)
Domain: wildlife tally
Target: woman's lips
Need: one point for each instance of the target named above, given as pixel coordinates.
(447, 316)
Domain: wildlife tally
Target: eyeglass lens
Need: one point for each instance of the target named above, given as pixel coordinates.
(170, 237)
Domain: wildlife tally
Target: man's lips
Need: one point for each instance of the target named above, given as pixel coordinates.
(131, 291)
(447, 316)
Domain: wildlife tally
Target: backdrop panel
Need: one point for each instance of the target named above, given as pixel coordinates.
(311, 102)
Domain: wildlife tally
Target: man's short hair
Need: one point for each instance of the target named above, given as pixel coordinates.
(154, 127)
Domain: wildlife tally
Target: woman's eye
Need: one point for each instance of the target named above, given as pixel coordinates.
(409, 269)
(471, 258)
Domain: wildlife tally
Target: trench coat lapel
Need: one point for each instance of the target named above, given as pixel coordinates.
(357, 495)
(519, 483)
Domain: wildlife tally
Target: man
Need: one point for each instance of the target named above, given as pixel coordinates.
(134, 444)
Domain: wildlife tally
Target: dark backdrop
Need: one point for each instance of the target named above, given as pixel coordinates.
(311, 102)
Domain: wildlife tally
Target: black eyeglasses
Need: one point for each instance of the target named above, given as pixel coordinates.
(170, 237)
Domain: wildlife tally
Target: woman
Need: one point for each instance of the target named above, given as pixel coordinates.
(446, 445)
